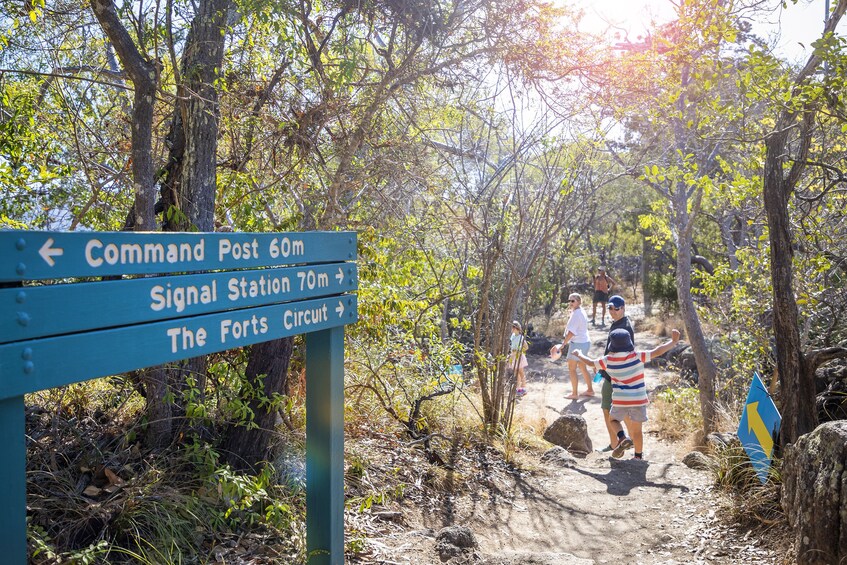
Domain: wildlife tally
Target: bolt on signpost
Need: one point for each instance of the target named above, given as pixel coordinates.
(254, 287)
(759, 427)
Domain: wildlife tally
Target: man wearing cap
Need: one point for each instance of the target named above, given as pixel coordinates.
(603, 284)
(620, 321)
(629, 391)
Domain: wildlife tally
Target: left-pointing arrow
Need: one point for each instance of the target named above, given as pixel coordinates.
(339, 309)
(47, 252)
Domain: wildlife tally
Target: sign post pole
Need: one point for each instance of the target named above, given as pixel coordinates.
(325, 447)
(13, 480)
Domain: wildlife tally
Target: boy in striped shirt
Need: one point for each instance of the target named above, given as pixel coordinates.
(629, 393)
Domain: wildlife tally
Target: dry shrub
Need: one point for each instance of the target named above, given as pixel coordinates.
(552, 326)
(676, 413)
(661, 326)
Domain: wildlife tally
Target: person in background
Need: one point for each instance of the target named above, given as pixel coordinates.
(617, 311)
(603, 284)
(576, 338)
(629, 391)
(517, 358)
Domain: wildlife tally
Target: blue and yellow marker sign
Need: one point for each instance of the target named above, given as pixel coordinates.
(759, 427)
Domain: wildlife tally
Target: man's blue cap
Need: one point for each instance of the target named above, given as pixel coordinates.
(616, 301)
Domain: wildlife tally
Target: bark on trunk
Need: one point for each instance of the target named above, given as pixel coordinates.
(267, 372)
(144, 77)
(205, 57)
(706, 370)
(796, 383)
(646, 266)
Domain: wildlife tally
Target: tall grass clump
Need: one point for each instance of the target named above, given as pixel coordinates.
(676, 413)
(753, 503)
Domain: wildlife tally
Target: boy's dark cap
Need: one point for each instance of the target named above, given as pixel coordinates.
(617, 301)
(620, 341)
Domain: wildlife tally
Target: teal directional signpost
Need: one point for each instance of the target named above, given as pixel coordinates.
(250, 288)
(759, 427)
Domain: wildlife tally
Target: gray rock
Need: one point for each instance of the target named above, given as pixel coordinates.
(814, 494)
(460, 536)
(722, 440)
(699, 461)
(571, 432)
(540, 345)
(559, 456)
(456, 544)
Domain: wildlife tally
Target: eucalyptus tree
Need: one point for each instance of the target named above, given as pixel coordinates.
(791, 147)
(680, 121)
(516, 183)
(346, 140)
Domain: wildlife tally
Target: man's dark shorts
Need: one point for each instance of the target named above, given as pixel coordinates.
(600, 296)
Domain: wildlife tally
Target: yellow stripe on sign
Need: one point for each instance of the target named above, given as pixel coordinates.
(755, 423)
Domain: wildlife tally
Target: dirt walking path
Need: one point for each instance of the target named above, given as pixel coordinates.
(599, 510)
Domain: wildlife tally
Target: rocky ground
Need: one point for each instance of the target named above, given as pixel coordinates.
(590, 510)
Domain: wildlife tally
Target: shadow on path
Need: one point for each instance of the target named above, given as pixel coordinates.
(628, 474)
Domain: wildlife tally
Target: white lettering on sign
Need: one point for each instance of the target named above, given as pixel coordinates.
(238, 251)
(96, 253)
(184, 339)
(163, 297)
(261, 286)
(309, 280)
(298, 318)
(239, 329)
(285, 247)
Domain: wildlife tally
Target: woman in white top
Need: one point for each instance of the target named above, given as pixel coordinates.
(576, 338)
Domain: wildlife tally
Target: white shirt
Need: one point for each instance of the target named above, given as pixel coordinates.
(578, 325)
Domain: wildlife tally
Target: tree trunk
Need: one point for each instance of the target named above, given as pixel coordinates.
(267, 372)
(796, 383)
(204, 58)
(706, 370)
(646, 265)
(144, 77)
(796, 374)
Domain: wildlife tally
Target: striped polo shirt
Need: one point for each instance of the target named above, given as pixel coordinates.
(627, 372)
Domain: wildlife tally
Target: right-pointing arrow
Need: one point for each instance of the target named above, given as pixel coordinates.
(340, 275)
(339, 309)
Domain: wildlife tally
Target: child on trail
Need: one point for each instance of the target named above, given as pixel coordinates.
(517, 359)
(617, 310)
(629, 393)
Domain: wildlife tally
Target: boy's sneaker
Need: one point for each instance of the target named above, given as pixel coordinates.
(638, 457)
(622, 446)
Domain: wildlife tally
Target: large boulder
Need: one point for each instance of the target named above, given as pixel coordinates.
(541, 344)
(571, 432)
(814, 494)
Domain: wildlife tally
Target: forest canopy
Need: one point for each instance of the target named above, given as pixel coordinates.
(491, 154)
